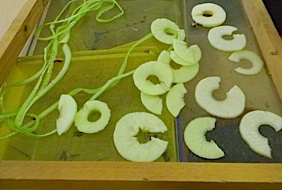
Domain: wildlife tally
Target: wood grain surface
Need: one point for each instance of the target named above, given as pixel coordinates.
(17, 32)
(105, 173)
(268, 39)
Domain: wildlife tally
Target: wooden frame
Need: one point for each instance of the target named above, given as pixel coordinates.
(116, 175)
(18, 33)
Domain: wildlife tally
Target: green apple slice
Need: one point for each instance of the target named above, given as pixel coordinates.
(153, 68)
(151, 150)
(81, 119)
(166, 31)
(215, 37)
(127, 143)
(195, 139)
(249, 130)
(153, 103)
(191, 54)
(164, 57)
(252, 57)
(208, 14)
(179, 60)
(231, 107)
(175, 99)
(67, 108)
(185, 73)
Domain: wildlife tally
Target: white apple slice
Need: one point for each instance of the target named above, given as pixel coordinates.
(208, 14)
(215, 37)
(255, 59)
(153, 103)
(67, 108)
(231, 107)
(164, 57)
(195, 139)
(153, 68)
(151, 150)
(175, 99)
(127, 143)
(191, 54)
(81, 119)
(249, 130)
(166, 31)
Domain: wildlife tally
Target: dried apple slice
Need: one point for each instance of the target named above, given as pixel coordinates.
(208, 14)
(153, 103)
(127, 143)
(166, 31)
(153, 68)
(67, 108)
(191, 54)
(255, 59)
(215, 37)
(231, 107)
(249, 130)
(195, 139)
(174, 99)
(81, 119)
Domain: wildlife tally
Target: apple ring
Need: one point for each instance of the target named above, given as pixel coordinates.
(195, 139)
(153, 68)
(127, 143)
(208, 14)
(81, 119)
(166, 31)
(231, 107)
(255, 59)
(215, 37)
(249, 130)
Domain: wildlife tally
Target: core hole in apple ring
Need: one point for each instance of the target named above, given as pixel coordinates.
(85, 124)
(170, 31)
(161, 71)
(207, 13)
(153, 79)
(127, 137)
(94, 115)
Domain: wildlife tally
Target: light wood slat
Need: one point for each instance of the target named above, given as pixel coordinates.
(17, 34)
(138, 172)
(8, 12)
(268, 39)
